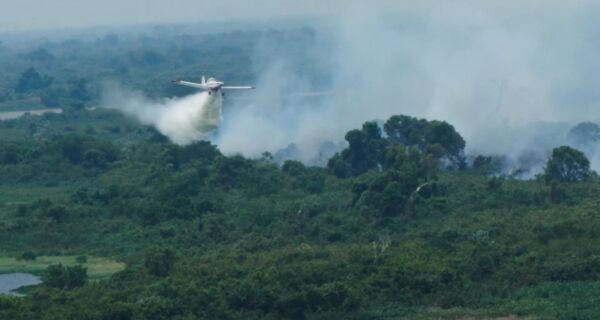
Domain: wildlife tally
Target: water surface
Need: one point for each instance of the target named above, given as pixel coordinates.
(17, 114)
(12, 281)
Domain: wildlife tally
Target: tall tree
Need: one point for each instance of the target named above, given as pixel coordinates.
(39, 55)
(31, 79)
(65, 277)
(437, 138)
(567, 165)
(159, 261)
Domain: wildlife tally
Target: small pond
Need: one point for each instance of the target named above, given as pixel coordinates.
(7, 115)
(12, 281)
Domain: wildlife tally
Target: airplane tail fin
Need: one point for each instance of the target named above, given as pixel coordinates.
(203, 80)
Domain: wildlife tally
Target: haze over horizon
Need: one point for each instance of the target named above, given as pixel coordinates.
(31, 15)
(493, 70)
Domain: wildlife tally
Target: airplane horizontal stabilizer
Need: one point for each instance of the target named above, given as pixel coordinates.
(238, 87)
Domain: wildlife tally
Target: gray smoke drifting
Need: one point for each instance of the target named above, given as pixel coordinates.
(183, 120)
(512, 77)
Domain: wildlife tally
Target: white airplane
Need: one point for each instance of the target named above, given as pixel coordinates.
(211, 85)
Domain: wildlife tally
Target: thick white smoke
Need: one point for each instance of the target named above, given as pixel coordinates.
(183, 120)
(512, 77)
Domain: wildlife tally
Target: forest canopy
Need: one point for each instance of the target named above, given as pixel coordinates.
(400, 223)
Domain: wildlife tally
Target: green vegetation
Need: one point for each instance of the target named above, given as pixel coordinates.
(207, 236)
(65, 277)
(397, 226)
(97, 268)
(567, 165)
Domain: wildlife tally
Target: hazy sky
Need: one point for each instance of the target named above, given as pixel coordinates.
(488, 67)
(43, 14)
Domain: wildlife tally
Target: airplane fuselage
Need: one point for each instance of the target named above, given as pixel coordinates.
(214, 85)
(211, 85)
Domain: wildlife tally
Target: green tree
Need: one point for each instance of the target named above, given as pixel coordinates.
(39, 55)
(146, 58)
(78, 90)
(94, 159)
(159, 261)
(293, 168)
(337, 166)
(441, 136)
(365, 148)
(50, 98)
(72, 148)
(232, 172)
(365, 151)
(116, 311)
(65, 277)
(32, 80)
(189, 55)
(58, 213)
(567, 165)
(437, 138)
(388, 193)
(28, 255)
(368, 148)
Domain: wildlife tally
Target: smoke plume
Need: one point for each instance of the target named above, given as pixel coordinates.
(183, 120)
(512, 77)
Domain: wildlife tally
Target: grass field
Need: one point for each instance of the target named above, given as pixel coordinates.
(97, 268)
(19, 105)
(15, 195)
(462, 314)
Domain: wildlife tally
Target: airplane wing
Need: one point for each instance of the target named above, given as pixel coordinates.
(237, 88)
(190, 84)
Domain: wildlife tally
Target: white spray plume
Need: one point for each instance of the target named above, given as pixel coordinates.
(183, 120)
